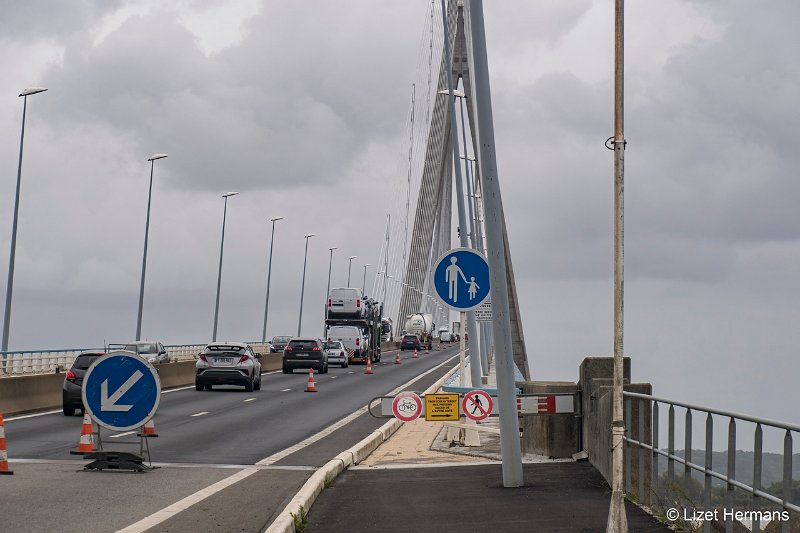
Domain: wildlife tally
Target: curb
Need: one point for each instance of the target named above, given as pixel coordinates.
(305, 497)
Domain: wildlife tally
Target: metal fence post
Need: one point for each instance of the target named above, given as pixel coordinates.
(641, 439)
(628, 414)
(671, 444)
(654, 486)
(687, 451)
(757, 447)
(729, 488)
(708, 464)
(787, 475)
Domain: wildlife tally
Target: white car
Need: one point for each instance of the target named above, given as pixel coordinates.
(337, 353)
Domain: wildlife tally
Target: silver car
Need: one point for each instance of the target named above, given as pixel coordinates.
(228, 363)
(154, 352)
(336, 352)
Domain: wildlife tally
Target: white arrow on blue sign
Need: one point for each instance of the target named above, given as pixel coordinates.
(461, 279)
(121, 391)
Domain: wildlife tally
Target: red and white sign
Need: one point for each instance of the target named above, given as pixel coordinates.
(545, 404)
(476, 405)
(407, 406)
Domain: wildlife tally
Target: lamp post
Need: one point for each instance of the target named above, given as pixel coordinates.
(152, 160)
(349, 266)
(269, 277)
(303, 286)
(364, 281)
(10, 286)
(328, 290)
(219, 276)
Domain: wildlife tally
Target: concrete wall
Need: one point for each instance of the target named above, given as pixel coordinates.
(550, 435)
(33, 393)
(596, 376)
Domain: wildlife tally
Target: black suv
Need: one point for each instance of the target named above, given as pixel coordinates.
(305, 353)
(73, 382)
(410, 342)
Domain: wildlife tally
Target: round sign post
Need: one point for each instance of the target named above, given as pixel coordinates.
(477, 405)
(407, 406)
(121, 391)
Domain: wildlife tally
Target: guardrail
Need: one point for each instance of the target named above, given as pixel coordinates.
(30, 362)
(648, 404)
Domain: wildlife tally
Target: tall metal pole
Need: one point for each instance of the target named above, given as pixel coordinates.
(364, 281)
(474, 352)
(617, 518)
(13, 253)
(349, 267)
(219, 275)
(152, 160)
(328, 290)
(303, 286)
(504, 359)
(269, 278)
(386, 256)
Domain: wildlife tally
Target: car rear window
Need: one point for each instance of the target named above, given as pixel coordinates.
(83, 362)
(217, 350)
(409, 337)
(331, 345)
(303, 345)
(281, 339)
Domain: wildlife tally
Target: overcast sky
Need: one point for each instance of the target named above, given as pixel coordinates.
(302, 107)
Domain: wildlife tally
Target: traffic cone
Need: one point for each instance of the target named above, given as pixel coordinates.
(397, 358)
(312, 385)
(3, 455)
(86, 444)
(416, 354)
(148, 430)
(369, 366)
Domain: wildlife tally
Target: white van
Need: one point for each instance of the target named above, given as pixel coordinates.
(345, 303)
(353, 339)
(444, 335)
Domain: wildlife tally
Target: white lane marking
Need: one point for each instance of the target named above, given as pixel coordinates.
(118, 435)
(181, 505)
(250, 399)
(201, 413)
(351, 372)
(286, 390)
(12, 418)
(334, 377)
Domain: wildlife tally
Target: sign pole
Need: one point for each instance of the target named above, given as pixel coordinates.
(510, 445)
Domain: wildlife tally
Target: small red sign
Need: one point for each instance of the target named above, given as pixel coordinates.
(477, 404)
(407, 406)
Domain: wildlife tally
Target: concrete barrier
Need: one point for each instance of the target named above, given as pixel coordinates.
(555, 435)
(24, 394)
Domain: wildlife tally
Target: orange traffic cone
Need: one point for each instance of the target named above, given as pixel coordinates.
(416, 354)
(3, 455)
(86, 444)
(397, 358)
(369, 366)
(312, 385)
(148, 430)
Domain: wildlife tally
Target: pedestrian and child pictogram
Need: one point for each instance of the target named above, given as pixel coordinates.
(461, 279)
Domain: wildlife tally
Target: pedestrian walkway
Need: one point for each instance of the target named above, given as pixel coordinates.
(418, 481)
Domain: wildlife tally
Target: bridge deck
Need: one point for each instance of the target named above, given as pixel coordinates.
(556, 497)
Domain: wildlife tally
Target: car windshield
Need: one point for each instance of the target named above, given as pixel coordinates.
(83, 362)
(303, 345)
(280, 339)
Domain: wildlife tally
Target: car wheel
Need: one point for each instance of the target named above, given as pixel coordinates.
(69, 410)
(345, 364)
(286, 369)
(208, 387)
(258, 384)
(197, 386)
(248, 387)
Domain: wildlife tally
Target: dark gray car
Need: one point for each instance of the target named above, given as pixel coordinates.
(305, 353)
(73, 382)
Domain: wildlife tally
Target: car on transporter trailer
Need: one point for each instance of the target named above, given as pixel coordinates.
(228, 363)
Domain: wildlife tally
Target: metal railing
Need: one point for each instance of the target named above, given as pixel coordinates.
(31, 362)
(650, 405)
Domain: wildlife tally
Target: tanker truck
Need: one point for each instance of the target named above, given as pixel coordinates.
(423, 327)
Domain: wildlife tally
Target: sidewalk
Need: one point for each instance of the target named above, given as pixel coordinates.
(418, 481)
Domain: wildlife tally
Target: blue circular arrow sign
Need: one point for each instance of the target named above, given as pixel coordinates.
(461, 279)
(121, 391)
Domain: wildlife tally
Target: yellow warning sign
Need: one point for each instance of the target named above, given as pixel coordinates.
(441, 407)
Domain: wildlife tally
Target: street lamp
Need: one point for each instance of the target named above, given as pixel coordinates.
(328, 291)
(303, 286)
(269, 276)
(219, 276)
(349, 266)
(364, 281)
(10, 286)
(152, 160)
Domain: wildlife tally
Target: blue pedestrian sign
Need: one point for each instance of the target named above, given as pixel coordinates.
(461, 279)
(121, 391)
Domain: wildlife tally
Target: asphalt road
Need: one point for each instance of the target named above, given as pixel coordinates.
(204, 437)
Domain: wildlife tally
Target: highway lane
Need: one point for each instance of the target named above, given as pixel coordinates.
(108, 501)
(227, 425)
